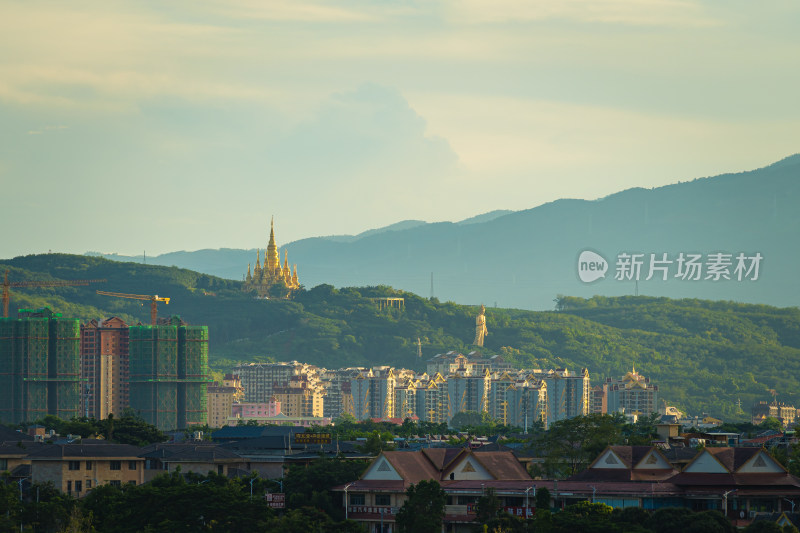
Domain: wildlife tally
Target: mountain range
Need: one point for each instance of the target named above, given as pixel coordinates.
(525, 259)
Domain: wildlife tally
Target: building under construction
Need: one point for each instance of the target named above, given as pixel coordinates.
(39, 366)
(104, 366)
(168, 374)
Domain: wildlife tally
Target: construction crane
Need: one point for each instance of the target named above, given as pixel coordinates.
(36, 284)
(154, 299)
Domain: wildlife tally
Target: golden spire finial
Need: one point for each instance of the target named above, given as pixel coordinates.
(272, 257)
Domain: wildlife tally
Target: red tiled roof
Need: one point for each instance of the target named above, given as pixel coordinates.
(502, 465)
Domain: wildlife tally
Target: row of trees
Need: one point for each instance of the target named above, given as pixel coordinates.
(129, 428)
(188, 502)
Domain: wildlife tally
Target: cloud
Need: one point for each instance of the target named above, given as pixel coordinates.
(671, 13)
(366, 129)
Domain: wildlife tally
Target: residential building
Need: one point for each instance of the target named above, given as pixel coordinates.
(375, 498)
(381, 392)
(447, 363)
(199, 458)
(786, 413)
(632, 394)
(598, 404)
(168, 373)
(518, 400)
(221, 398)
(299, 398)
(258, 379)
(567, 394)
(431, 398)
(247, 411)
(39, 366)
(77, 468)
(467, 390)
(338, 398)
(104, 367)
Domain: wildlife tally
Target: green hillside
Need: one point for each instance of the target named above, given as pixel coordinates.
(704, 355)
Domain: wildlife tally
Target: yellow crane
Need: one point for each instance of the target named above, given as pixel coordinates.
(154, 299)
(59, 283)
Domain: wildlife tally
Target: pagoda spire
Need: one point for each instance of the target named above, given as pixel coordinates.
(272, 258)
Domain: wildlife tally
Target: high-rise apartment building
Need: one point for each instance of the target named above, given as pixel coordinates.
(567, 394)
(259, 379)
(39, 366)
(221, 397)
(632, 394)
(168, 374)
(104, 367)
(299, 398)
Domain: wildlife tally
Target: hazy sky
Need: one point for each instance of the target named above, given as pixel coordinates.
(161, 126)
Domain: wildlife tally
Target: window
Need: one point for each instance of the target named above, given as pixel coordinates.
(356, 499)
(78, 486)
(219, 469)
(115, 483)
(383, 499)
(88, 484)
(131, 465)
(74, 465)
(89, 465)
(115, 465)
(3, 464)
(69, 486)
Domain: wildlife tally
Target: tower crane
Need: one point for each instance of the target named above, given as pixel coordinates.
(154, 299)
(54, 283)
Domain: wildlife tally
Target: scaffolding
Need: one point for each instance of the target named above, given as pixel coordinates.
(168, 374)
(192, 375)
(153, 374)
(39, 366)
(63, 376)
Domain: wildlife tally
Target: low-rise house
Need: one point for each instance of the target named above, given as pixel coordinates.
(193, 457)
(741, 482)
(376, 497)
(77, 468)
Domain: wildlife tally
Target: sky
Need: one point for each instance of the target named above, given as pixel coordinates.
(134, 125)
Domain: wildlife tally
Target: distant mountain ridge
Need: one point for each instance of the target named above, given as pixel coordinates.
(526, 258)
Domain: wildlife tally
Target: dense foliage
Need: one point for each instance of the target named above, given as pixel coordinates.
(705, 356)
(129, 428)
(190, 502)
(423, 510)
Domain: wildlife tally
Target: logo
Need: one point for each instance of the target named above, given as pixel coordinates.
(591, 266)
(684, 266)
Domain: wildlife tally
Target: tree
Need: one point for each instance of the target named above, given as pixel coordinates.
(569, 445)
(130, 428)
(311, 484)
(585, 517)
(686, 521)
(763, 526)
(423, 510)
(376, 443)
(771, 422)
(488, 506)
(542, 499)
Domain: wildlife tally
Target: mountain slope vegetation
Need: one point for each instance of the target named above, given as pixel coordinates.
(705, 356)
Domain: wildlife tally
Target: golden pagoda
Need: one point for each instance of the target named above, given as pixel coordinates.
(269, 279)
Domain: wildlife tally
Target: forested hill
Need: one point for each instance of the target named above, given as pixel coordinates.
(704, 355)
